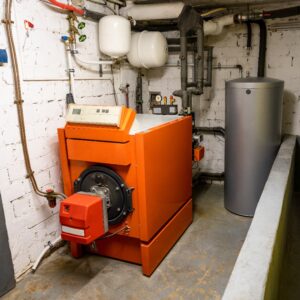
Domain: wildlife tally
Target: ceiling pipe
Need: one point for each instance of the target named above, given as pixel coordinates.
(215, 3)
(152, 11)
(215, 27)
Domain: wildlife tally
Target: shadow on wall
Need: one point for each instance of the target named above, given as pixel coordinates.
(297, 167)
(289, 115)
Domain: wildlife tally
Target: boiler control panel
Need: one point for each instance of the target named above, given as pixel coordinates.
(94, 114)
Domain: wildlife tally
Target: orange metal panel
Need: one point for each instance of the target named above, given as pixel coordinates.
(164, 163)
(154, 252)
(119, 247)
(99, 152)
(156, 164)
(103, 133)
(64, 162)
(199, 153)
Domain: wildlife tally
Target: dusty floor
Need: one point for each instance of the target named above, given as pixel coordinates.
(198, 267)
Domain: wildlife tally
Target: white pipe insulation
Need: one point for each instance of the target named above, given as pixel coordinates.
(146, 12)
(163, 11)
(215, 27)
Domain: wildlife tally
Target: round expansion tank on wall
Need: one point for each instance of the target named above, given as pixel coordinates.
(148, 50)
(253, 136)
(114, 36)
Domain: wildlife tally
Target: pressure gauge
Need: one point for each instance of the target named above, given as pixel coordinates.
(158, 98)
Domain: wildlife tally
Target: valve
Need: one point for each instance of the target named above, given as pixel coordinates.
(51, 198)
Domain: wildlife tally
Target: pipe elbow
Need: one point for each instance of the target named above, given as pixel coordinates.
(216, 26)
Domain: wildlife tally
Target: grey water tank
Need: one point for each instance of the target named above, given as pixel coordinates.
(253, 136)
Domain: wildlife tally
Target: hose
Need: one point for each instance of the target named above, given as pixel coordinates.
(19, 104)
(211, 12)
(43, 253)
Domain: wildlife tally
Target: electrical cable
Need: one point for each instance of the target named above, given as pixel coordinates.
(19, 104)
(208, 13)
(113, 85)
(125, 228)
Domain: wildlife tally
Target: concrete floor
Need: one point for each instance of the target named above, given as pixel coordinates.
(198, 267)
(290, 275)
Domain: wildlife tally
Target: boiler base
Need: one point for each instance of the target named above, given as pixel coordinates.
(149, 254)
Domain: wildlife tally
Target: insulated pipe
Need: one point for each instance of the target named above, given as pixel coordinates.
(282, 13)
(209, 66)
(249, 35)
(152, 11)
(215, 27)
(184, 68)
(93, 15)
(199, 61)
(195, 70)
(228, 3)
(212, 27)
(262, 47)
(210, 130)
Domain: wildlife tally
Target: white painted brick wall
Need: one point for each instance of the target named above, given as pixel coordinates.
(31, 224)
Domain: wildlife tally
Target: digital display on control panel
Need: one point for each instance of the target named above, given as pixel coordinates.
(94, 114)
(76, 111)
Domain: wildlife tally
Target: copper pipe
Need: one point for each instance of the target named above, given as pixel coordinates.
(19, 104)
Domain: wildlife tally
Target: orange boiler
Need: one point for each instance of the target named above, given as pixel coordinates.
(140, 168)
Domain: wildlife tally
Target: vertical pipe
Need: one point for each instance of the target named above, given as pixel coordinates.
(139, 94)
(71, 96)
(209, 66)
(200, 54)
(249, 35)
(262, 48)
(195, 69)
(184, 70)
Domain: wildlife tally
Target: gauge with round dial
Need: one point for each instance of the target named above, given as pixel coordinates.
(158, 98)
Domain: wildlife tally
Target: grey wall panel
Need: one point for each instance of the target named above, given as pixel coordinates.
(297, 166)
(7, 276)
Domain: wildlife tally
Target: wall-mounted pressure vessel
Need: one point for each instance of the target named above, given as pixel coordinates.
(148, 50)
(114, 36)
(253, 136)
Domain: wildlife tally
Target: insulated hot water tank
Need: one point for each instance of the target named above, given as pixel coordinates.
(253, 136)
